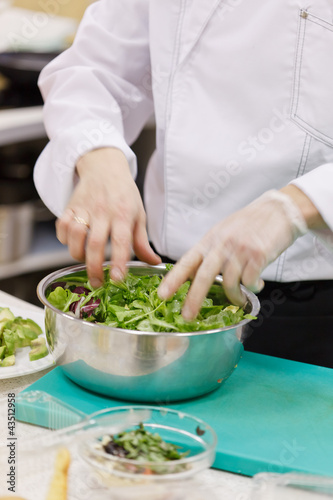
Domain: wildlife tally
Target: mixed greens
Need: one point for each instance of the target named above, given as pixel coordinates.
(135, 305)
(143, 446)
(16, 332)
(140, 444)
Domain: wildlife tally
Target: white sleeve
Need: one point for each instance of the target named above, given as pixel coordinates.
(318, 186)
(97, 94)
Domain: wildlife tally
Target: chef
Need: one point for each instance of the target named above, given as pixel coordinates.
(241, 182)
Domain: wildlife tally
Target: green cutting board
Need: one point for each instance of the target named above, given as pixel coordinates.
(271, 415)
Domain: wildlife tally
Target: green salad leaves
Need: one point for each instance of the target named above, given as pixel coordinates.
(135, 305)
(140, 444)
(148, 451)
(17, 332)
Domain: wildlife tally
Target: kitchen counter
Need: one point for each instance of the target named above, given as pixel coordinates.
(223, 485)
(24, 124)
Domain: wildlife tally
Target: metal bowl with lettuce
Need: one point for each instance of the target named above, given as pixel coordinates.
(122, 340)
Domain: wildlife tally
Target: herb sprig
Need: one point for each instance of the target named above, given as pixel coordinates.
(142, 445)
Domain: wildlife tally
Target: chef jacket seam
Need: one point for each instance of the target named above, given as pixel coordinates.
(175, 68)
(304, 156)
(300, 172)
(303, 124)
(318, 20)
(319, 24)
(313, 131)
(314, 128)
(175, 57)
(203, 27)
(301, 160)
(298, 64)
(280, 266)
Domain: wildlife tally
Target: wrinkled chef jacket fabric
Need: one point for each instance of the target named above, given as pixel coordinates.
(242, 92)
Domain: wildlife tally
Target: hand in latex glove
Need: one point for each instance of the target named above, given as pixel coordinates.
(106, 202)
(239, 247)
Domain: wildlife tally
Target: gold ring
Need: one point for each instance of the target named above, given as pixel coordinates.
(80, 220)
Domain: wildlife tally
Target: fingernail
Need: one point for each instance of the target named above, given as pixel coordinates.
(187, 313)
(257, 287)
(163, 291)
(95, 282)
(116, 274)
(261, 285)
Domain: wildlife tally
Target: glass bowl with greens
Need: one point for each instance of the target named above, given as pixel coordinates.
(153, 473)
(122, 340)
(168, 445)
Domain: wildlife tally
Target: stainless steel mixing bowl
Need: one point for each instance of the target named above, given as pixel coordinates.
(142, 366)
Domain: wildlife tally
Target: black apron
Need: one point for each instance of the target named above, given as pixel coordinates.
(295, 322)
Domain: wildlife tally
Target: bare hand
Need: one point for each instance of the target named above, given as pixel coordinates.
(105, 203)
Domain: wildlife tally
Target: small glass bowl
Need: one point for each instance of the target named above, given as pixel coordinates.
(94, 477)
(190, 434)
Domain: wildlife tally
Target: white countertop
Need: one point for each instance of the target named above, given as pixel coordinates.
(21, 124)
(223, 485)
(45, 252)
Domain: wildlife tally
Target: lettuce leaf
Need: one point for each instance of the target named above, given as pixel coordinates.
(134, 304)
(62, 298)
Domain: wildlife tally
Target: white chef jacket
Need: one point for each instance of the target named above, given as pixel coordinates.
(242, 92)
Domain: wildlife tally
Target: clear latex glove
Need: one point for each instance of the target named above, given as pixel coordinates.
(239, 247)
(106, 203)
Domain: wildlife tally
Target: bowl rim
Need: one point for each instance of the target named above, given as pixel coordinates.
(47, 280)
(209, 447)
